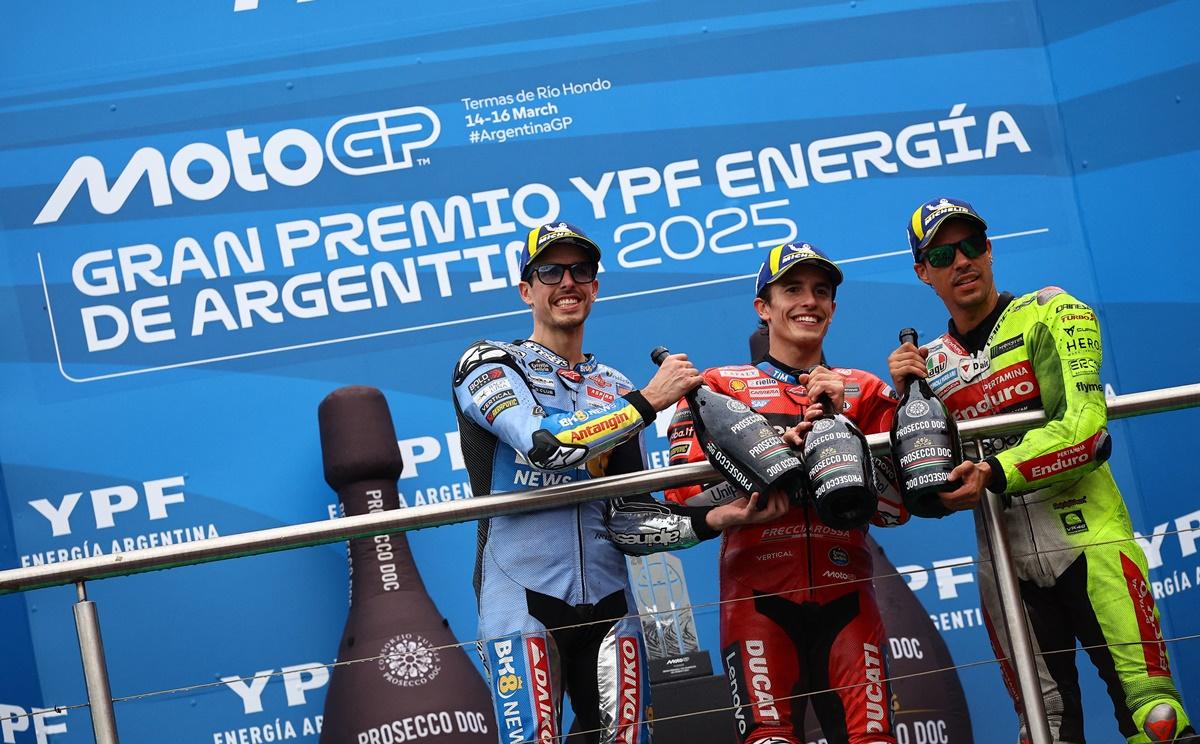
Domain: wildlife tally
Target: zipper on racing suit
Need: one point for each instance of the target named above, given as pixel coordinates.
(809, 548)
(582, 562)
(574, 394)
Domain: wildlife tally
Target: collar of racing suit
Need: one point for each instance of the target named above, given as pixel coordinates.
(974, 339)
(589, 360)
(794, 372)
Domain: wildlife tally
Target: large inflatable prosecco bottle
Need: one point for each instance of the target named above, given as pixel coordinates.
(415, 682)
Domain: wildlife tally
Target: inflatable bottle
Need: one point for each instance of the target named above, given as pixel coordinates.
(415, 681)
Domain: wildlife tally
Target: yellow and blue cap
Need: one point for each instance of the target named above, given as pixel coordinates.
(930, 216)
(543, 236)
(783, 257)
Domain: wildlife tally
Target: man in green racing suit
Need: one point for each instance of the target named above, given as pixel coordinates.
(1082, 575)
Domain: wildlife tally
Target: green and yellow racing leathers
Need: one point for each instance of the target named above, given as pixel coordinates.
(1082, 576)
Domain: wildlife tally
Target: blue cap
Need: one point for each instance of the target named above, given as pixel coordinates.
(930, 216)
(783, 257)
(542, 237)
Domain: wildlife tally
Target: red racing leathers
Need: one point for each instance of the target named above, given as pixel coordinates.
(798, 611)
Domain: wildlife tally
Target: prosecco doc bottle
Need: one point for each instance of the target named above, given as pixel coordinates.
(925, 445)
(739, 443)
(841, 476)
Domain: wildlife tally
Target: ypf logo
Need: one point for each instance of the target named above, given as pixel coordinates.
(356, 145)
(409, 660)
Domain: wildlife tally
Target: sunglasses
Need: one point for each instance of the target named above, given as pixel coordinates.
(583, 272)
(941, 256)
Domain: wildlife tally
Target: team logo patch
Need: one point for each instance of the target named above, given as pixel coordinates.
(600, 395)
(543, 694)
(1073, 522)
(838, 556)
(970, 368)
(1007, 345)
(500, 408)
(737, 386)
(630, 692)
(483, 379)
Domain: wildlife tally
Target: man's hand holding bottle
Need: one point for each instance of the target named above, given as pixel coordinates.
(745, 510)
(676, 376)
(821, 383)
(905, 365)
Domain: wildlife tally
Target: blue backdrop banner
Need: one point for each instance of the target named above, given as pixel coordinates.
(213, 214)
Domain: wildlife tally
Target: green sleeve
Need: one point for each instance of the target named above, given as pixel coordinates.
(1064, 349)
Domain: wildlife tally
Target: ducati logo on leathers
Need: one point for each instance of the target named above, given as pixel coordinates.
(748, 663)
(873, 669)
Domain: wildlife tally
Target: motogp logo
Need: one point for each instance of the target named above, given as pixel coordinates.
(199, 171)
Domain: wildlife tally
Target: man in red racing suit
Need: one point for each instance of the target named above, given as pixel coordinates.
(798, 613)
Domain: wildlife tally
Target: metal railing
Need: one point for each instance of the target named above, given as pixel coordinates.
(290, 537)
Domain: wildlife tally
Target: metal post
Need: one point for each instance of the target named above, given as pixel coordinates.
(1013, 608)
(95, 670)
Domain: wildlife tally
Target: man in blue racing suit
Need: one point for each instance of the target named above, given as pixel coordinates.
(552, 586)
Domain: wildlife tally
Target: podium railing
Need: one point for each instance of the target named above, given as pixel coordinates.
(277, 539)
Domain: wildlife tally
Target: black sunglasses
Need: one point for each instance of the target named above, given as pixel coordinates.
(583, 272)
(941, 256)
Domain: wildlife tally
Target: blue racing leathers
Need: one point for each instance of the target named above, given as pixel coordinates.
(552, 588)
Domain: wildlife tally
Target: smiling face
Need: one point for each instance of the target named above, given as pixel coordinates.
(563, 306)
(966, 286)
(797, 309)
